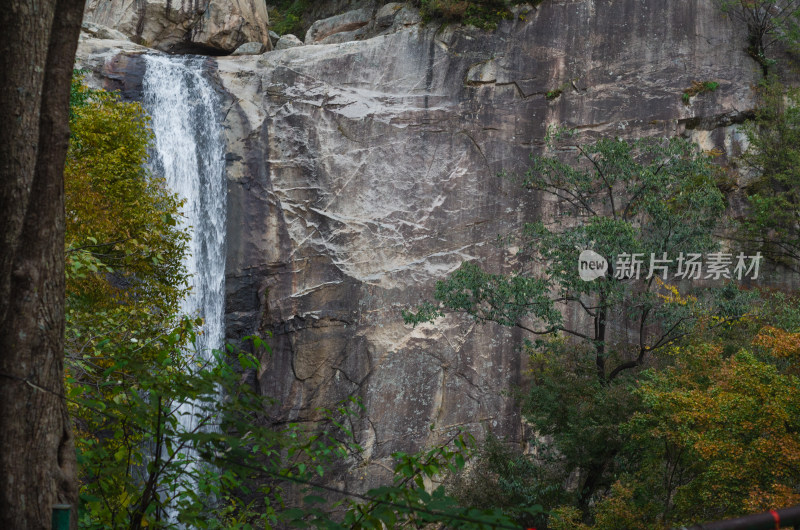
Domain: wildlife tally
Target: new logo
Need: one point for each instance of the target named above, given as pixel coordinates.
(591, 265)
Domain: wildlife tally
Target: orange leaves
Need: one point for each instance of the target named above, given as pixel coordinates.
(781, 343)
(737, 421)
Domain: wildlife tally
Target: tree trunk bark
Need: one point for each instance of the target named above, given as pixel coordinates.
(37, 456)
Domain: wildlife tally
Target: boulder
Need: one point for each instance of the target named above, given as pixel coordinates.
(249, 48)
(384, 18)
(215, 27)
(340, 28)
(274, 37)
(288, 41)
(363, 23)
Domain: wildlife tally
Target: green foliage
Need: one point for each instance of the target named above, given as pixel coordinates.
(653, 197)
(124, 247)
(578, 431)
(771, 225)
(140, 458)
(576, 420)
(484, 14)
(553, 94)
(698, 88)
(502, 477)
(286, 16)
(424, 507)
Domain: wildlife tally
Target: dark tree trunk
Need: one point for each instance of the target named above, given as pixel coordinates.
(37, 456)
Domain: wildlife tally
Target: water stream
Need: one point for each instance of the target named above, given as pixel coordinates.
(189, 153)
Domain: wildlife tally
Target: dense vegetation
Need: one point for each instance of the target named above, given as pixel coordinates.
(484, 14)
(286, 16)
(774, 194)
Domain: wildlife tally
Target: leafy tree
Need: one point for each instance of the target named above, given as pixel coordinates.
(287, 16)
(413, 504)
(653, 198)
(143, 464)
(577, 448)
(714, 433)
(720, 434)
(502, 477)
(124, 274)
(124, 246)
(772, 224)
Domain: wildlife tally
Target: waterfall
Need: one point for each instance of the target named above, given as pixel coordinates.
(189, 154)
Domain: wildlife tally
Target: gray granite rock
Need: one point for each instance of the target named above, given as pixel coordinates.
(385, 15)
(340, 28)
(249, 48)
(365, 171)
(288, 41)
(101, 32)
(274, 37)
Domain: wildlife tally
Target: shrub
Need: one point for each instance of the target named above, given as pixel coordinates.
(484, 14)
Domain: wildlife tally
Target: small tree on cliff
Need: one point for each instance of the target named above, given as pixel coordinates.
(768, 22)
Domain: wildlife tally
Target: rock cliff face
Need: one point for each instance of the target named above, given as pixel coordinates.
(197, 26)
(361, 172)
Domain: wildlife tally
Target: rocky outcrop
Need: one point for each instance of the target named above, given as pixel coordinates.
(361, 172)
(364, 23)
(206, 26)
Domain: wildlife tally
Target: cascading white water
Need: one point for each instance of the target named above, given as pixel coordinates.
(189, 154)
